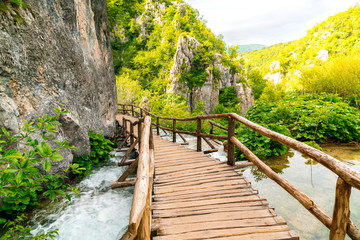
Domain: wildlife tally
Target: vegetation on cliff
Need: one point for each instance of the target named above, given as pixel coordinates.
(145, 40)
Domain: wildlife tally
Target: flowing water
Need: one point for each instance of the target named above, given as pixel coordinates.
(97, 213)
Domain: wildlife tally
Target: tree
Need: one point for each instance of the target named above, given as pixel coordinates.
(257, 82)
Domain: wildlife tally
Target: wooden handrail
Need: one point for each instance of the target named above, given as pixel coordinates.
(140, 214)
(340, 224)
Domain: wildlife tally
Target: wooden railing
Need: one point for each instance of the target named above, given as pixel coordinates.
(339, 224)
(140, 214)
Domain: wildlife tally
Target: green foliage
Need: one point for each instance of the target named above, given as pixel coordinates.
(263, 147)
(317, 118)
(144, 46)
(21, 180)
(309, 118)
(197, 75)
(16, 230)
(338, 76)
(99, 152)
(257, 82)
(228, 101)
(228, 97)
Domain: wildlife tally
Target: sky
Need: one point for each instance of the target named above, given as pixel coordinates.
(266, 22)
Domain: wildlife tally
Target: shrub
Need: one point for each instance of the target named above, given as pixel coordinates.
(21, 180)
(263, 147)
(99, 152)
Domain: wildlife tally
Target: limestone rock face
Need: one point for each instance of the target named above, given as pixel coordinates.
(275, 65)
(60, 52)
(153, 13)
(184, 55)
(323, 55)
(209, 92)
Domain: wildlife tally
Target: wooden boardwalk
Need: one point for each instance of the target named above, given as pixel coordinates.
(199, 197)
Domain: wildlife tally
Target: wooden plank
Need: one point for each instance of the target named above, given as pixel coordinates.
(194, 171)
(200, 198)
(201, 184)
(192, 182)
(214, 217)
(225, 224)
(205, 208)
(195, 211)
(206, 187)
(207, 202)
(191, 179)
(229, 232)
(181, 168)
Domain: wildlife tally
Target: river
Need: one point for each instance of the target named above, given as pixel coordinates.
(97, 213)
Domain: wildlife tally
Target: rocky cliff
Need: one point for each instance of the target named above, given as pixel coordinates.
(56, 51)
(209, 92)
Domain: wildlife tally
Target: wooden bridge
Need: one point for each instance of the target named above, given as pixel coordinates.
(194, 196)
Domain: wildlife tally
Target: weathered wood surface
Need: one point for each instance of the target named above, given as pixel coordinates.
(198, 197)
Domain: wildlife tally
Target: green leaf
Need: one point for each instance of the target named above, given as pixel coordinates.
(10, 170)
(12, 153)
(60, 192)
(56, 157)
(52, 195)
(47, 165)
(47, 149)
(68, 197)
(19, 177)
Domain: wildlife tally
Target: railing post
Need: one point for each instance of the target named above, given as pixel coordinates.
(132, 110)
(174, 130)
(231, 147)
(341, 213)
(211, 128)
(124, 127)
(157, 126)
(198, 132)
(131, 133)
(123, 109)
(141, 113)
(139, 133)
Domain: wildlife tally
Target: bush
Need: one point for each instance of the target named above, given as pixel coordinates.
(21, 180)
(99, 152)
(339, 76)
(263, 147)
(320, 118)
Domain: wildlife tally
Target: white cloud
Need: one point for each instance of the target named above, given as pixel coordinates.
(263, 21)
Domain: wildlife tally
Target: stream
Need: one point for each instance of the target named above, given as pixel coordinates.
(97, 213)
(102, 213)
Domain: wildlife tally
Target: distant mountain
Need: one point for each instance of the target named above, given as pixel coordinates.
(338, 35)
(250, 47)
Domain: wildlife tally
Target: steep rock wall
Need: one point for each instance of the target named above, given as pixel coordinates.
(209, 92)
(59, 52)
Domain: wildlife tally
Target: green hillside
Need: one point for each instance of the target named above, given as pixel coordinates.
(339, 35)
